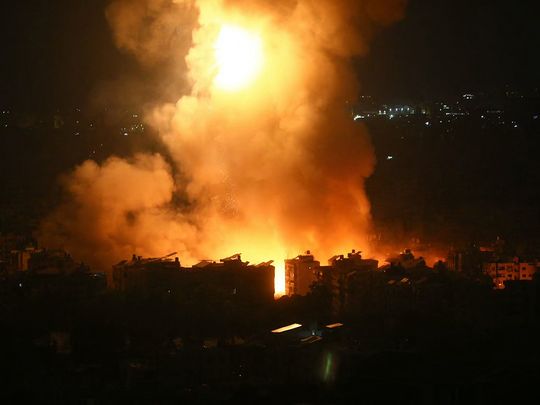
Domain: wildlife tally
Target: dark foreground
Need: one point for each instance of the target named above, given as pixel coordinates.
(466, 344)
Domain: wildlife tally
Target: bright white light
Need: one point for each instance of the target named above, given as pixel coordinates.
(287, 328)
(389, 157)
(239, 57)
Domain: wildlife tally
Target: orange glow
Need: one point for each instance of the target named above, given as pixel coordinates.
(239, 58)
(279, 279)
(261, 147)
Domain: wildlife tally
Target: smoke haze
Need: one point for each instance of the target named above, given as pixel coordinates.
(270, 170)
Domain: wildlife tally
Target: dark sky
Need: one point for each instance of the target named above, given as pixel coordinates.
(445, 47)
(54, 52)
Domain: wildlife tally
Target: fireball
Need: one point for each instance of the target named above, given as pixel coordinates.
(239, 58)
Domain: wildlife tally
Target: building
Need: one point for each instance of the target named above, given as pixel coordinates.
(454, 260)
(407, 260)
(20, 258)
(353, 261)
(342, 273)
(54, 262)
(130, 274)
(229, 277)
(300, 273)
(15, 253)
(504, 270)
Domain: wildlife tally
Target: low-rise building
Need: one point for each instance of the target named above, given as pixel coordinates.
(407, 260)
(503, 270)
(228, 277)
(342, 273)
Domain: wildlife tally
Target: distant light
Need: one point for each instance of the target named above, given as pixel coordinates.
(358, 117)
(334, 325)
(389, 157)
(287, 328)
(126, 134)
(428, 123)
(391, 116)
(20, 285)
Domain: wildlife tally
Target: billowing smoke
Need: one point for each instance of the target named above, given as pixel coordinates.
(268, 167)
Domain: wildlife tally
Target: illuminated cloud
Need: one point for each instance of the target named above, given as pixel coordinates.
(268, 160)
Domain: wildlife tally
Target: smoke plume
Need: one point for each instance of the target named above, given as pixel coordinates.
(268, 170)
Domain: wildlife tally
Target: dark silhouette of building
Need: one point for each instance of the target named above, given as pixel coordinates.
(229, 277)
(407, 260)
(342, 273)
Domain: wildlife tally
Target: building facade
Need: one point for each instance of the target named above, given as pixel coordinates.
(507, 270)
(300, 273)
(230, 277)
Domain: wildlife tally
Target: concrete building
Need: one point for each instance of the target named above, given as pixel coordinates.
(504, 270)
(340, 276)
(455, 260)
(228, 277)
(407, 260)
(300, 273)
(342, 273)
(21, 258)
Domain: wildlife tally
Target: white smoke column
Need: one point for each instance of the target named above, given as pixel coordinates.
(269, 169)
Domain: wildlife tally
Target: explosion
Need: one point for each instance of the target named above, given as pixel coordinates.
(264, 157)
(239, 58)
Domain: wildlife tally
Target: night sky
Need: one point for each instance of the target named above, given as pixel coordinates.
(55, 53)
(448, 47)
